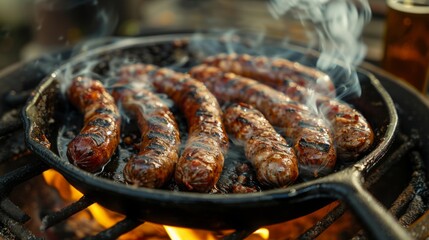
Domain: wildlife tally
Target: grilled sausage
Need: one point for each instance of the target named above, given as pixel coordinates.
(92, 148)
(274, 161)
(201, 161)
(310, 135)
(353, 134)
(274, 71)
(154, 165)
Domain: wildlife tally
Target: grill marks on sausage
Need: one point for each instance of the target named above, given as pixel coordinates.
(103, 111)
(280, 111)
(352, 138)
(99, 123)
(92, 148)
(318, 146)
(96, 137)
(201, 162)
(274, 161)
(154, 165)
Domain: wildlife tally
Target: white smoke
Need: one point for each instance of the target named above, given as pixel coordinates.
(335, 27)
(338, 25)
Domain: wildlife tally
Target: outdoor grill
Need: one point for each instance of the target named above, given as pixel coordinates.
(397, 181)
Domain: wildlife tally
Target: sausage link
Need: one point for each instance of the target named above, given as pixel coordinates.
(92, 148)
(154, 165)
(310, 135)
(274, 71)
(353, 135)
(274, 161)
(201, 162)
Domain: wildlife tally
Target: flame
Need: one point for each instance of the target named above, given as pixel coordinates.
(67, 192)
(107, 218)
(263, 233)
(101, 215)
(178, 233)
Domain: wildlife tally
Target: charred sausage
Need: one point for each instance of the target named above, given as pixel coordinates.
(201, 161)
(353, 134)
(92, 148)
(274, 71)
(274, 161)
(310, 135)
(154, 165)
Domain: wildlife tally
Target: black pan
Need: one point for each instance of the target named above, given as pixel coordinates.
(43, 118)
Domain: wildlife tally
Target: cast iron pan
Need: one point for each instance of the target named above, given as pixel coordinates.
(44, 117)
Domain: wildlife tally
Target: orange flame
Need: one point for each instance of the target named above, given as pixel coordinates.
(107, 218)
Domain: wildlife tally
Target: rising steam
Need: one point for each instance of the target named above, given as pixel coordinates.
(335, 26)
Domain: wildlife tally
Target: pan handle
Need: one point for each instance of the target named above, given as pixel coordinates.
(380, 223)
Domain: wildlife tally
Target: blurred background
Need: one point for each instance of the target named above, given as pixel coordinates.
(30, 28)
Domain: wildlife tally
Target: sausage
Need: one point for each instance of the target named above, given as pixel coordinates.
(154, 165)
(92, 148)
(201, 161)
(274, 161)
(353, 134)
(310, 135)
(274, 71)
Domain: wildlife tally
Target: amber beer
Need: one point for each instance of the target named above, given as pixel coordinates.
(406, 49)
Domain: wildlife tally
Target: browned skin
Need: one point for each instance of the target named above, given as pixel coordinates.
(154, 165)
(201, 162)
(274, 161)
(274, 71)
(311, 136)
(353, 134)
(92, 148)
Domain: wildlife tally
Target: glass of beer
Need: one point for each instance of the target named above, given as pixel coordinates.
(406, 41)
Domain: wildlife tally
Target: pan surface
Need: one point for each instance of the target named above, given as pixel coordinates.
(44, 118)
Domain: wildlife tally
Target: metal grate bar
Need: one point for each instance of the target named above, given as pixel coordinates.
(324, 223)
(240, 234)
(419, 229)
(414, 210)
(410, 202)
(14, 98)
(117, 230)
(13, 211)
(416, 185)
(418, 182)
(33, 168)
(15, 227)
(396, 156)
(56, 217)
(13, 147)
(401, 202)
(10, 122)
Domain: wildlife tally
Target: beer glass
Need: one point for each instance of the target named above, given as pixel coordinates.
(406, 41)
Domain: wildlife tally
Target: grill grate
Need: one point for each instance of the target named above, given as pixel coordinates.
(407, 207)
